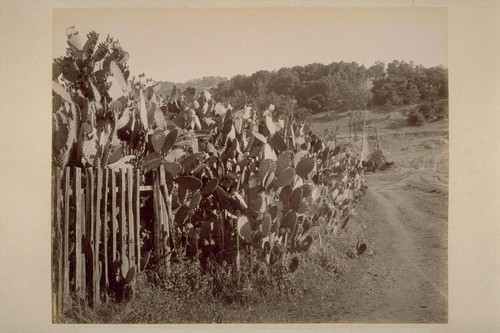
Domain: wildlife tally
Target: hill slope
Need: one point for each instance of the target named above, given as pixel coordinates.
(206, 82)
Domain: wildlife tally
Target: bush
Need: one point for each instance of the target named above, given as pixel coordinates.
(415, 118)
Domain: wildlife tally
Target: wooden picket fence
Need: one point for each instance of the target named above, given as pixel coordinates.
(96, 222)
(163, 227)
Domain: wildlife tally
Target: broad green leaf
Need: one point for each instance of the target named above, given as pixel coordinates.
(181, 216)
(241, 200)
(123, 163)
(270, 125)
(290, 220)
(284, 161)
(158, 140)
(130, 275)
(170, 140)
(266, 224)
(172, 167)
(276, 141)
(209, 186)
(285, 177)
(189, 183)
(117, 73)
(152, 161)
(195, 200)
(305, 166)
(115, 155)
(244, 229)
(259, 137)
(58, 89)
(268, 152)
(295, 199)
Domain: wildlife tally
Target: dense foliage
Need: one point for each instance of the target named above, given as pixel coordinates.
(405, 83)
(338, 86)
(245, 181)
(313, 88)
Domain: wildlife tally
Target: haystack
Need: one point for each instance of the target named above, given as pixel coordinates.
(379, 158)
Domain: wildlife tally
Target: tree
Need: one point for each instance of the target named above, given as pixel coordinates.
(411, 94)
(285, 81)
(377, 71)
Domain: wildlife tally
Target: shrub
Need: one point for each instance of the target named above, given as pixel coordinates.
(415, 118)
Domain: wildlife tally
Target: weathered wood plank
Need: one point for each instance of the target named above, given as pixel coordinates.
(137, 217)
(78, 232)
(83, 279)
(105, 229)
(97, 240)
(113, 215)
(131, 231)
(67, 192)
(90, 230)
(156, 211)
(123, 214)
(53, 235)
(59, 278)
(165, 227)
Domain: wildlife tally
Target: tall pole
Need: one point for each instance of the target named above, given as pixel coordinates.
(364, 137)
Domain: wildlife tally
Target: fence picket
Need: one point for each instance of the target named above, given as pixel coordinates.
(89, 256)
(91, 231)
(105, 229)
(53, 230)
(165, 226)
(123, 214)
(78, 232)
(137, 217)
(97, 239)
(84, 246)
(156, 218)
(113, 215)
(131, 232)
(59, 242)
(67, 191)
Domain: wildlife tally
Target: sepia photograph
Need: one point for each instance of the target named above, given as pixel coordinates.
(249, 165)
(264, 165)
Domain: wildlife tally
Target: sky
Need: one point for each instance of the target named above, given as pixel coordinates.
(179, 44)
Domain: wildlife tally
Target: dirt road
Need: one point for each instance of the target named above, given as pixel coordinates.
(404, 219)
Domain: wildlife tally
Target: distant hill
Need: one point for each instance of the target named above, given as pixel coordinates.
(206, 82)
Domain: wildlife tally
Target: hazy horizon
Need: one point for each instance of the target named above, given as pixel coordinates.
(178, 45)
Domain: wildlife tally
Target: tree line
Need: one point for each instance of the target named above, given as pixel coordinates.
(339, 86)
